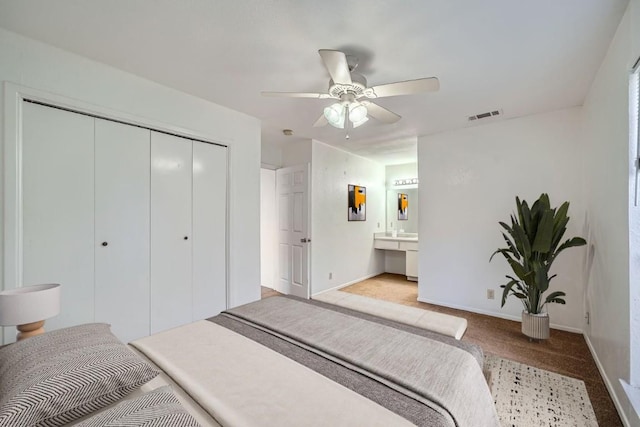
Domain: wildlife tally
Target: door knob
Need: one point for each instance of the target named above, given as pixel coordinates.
(186, 237)
(305, 240)
(104, 243)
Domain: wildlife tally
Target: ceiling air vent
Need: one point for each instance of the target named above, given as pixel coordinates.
(486, 115)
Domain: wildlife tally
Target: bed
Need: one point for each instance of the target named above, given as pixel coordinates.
(284, 361)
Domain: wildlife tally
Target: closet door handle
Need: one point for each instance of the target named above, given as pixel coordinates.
(186, 237)
(104, 243)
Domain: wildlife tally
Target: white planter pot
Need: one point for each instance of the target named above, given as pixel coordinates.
(535, 325)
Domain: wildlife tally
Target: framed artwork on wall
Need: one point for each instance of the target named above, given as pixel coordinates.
(403, 207)
(357, 203)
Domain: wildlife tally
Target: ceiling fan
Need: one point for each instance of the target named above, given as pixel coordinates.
(349, 88)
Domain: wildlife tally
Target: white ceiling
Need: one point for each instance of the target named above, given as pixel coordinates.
(523, 57)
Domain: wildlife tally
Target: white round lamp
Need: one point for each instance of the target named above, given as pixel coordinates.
(28, 307)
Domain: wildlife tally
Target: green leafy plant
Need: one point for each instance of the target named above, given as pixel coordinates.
(533, 243)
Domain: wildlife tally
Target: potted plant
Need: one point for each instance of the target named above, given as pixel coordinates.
(533, 243)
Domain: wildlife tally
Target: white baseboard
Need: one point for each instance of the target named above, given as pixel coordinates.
(607, 383)
(496, 314)
(633, 394)
(344, 285)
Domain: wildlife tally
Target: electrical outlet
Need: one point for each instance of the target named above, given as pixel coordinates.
(491, 294)
(330, 276)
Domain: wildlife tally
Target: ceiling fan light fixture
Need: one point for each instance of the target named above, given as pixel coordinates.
(335, 115)
(360, 122)
(357, 113)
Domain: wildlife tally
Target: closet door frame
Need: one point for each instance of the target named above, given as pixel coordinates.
(11, 168)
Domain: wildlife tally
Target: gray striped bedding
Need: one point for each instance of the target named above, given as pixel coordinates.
(158, 408)
(448, 389)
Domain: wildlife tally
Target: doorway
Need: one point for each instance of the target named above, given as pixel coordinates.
(268, 229)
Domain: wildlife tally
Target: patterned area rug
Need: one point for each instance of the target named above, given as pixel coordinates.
(530, 397)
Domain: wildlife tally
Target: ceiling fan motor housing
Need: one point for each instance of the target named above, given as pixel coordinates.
(356, 88)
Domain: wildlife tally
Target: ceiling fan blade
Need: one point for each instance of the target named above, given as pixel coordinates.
(322, 120)
(380, 113)
(430, 84)
(297, 94)
(336, 63)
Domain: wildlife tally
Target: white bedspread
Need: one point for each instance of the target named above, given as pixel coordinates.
(242, 383)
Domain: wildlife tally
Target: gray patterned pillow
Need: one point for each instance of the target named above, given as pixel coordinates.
(157, 408)
(55, 378)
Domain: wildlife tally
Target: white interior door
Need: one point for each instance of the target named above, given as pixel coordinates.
(209, 229)
(58, 208)
(292, 185)
(171, 235)
(122, 228)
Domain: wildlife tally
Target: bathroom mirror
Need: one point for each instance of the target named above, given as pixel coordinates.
(402, 210)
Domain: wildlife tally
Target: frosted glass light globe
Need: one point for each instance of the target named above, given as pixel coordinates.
(335, 115)
(357, 112)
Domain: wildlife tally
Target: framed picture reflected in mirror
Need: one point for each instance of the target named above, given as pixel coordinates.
(403, 207)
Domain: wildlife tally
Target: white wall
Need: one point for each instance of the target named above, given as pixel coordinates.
(468, 182)
(606, 144)
(338, 246)
(296, 153)
(270, 156)
(268, 228)
(34, 64)
(393, 172)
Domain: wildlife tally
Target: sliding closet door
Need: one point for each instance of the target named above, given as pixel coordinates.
(58, 210)
(209, 225)
(171, 235)
(122, 228)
